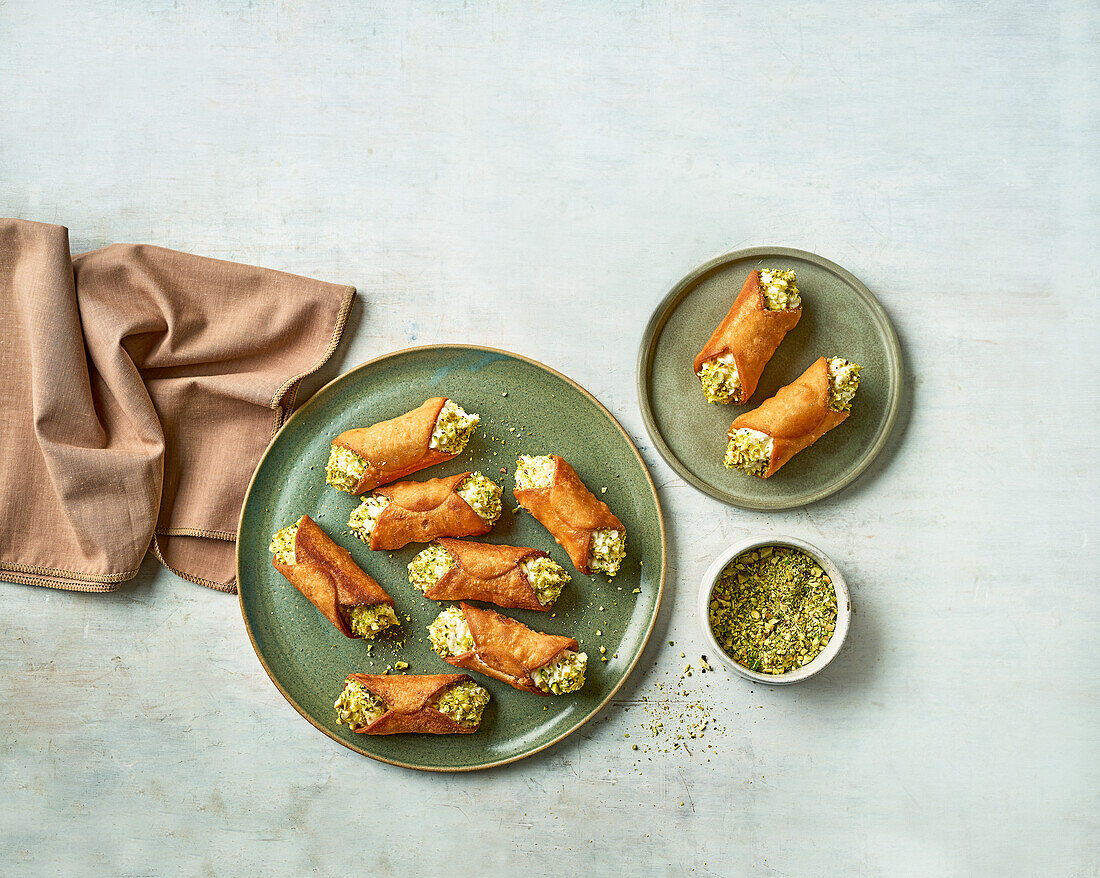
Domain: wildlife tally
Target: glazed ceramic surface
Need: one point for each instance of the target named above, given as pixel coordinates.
(525, 408)
(840, 318)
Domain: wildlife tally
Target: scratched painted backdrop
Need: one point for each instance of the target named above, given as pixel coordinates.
(536, 176)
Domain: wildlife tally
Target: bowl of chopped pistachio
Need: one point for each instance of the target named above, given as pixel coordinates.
(776, 610)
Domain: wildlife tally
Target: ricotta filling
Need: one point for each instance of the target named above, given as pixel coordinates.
(780, 289)
(535, 472)
(547, 578)
(564, 674)
(282, 544)
(449, 633)
(453, 428)
(749, 451)
(369, 621)
(427, 568)
(721, 383)
(356, 707)
(344, 469)
(606, 550)
(843, 383)
(365, 517)
(483, 495)
(464, 702)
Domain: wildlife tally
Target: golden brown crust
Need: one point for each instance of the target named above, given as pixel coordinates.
(750, 333)
(408, 698)
(507, 650)
(397, 447)
(796, 417)
(326, 574)
(419, 512)
(569, 511)
(489, 573)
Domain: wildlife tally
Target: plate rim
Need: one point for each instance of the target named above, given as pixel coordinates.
(641, 647)
(659, 318)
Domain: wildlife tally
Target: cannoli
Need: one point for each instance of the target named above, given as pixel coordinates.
(326, 574)
(762, 440)
(507, 650)
(463, 505)
(427, 704)
(364, 458)
(550, 489)
(730, 364)
(508, 576)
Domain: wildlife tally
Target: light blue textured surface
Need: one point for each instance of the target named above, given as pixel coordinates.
(536, 178)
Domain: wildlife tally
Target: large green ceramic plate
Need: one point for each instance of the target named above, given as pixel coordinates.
(840, 317)
(525, 408)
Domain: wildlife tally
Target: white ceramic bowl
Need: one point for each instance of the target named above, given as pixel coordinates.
(843, 609)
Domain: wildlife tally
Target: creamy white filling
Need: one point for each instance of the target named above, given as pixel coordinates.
(463, 702)
(449, 633)
(564, 674)
(547, 578)
(606, 550)
(483, 495)
(428, 567)
(721, 383)
(368, 621)
(344, 469)
(780, 289)
(535, 472)
(843, 383)
(453, 428)
(365, 517)
(356, 707)
(282, 544)
(749, 451)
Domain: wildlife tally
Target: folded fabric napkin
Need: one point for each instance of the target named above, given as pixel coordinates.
(138, 388)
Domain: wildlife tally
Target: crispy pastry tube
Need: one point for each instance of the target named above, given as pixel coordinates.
(366, 457)
(550, 489)
(328, 577)
(794, 419)
(500, 575)
(505, 649)
(747, 337)
(426, 704)
(419, 512)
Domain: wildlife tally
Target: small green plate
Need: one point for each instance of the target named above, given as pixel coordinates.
(840, 317)
(525, 408)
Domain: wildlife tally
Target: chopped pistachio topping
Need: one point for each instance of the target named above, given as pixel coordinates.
(449, 633)
(721, 383)
(368, 621)
(344, 469)
(773, 609)
(427, 568)
(535, 472)
(606, 550)
(282, 544)
(483, 495)
(780, 290)
(564, 674)
(749, 451)
(453, 428)
(366, 515)
(356, 707)
(463, 702)
(547, 578)
(843, 383)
